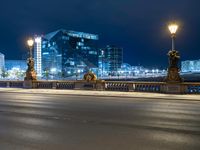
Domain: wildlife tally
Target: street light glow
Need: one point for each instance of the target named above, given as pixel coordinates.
(173, 28)
(30, 42)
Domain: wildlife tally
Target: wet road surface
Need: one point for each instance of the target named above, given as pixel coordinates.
(62, 122)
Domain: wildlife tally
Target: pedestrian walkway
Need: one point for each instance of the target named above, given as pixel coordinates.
(104, 93)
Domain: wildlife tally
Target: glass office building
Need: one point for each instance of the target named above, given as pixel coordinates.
(110, 59)
(38, 55)
(190, 66)
(2, 61)
(68, 52)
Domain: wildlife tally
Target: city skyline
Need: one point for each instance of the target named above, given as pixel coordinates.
(142, 33)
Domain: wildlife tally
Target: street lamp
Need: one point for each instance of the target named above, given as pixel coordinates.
(30, 72)
(30, 43)
(173, 69)
(173, 28)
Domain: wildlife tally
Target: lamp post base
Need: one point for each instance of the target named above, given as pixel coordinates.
(30, 72)
(173, 75)
(28, 84)
(30, 75)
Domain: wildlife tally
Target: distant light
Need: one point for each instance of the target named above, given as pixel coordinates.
(53, 69)
(157, 70)
(30, 42)
(15, 68)
(173, 28)
(38, 39)
(45, 53)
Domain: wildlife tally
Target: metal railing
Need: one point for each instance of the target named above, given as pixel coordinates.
(12, 84)
(192, 88)
(65, 85)
(156, 87)
(117, 86)
(54, 84)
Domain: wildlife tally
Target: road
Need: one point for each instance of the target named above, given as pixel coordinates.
(63, 122)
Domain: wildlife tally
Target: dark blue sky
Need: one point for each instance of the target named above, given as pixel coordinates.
(139, 26)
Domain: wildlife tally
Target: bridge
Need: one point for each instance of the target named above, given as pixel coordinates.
(101, 85)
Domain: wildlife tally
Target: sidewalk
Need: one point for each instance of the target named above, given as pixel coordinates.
(104, 93)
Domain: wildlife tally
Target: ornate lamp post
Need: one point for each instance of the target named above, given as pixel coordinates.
(30, 43)
(173, 69)
(30, 72)
(173, 28)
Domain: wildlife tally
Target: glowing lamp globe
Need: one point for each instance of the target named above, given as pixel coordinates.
(173, 28)
(30, 42)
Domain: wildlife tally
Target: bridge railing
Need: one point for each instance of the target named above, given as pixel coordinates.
(156, 87)
(11, 84)
(192, 88)
(117, 86)
(124, 86)
(54, 84)
(134, 86)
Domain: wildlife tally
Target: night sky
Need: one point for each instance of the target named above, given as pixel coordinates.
(139, 26)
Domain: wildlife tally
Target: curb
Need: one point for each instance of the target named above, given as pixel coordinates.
(118, 96)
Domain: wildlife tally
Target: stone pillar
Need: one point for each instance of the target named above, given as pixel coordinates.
(54, 85)
(7, 84)
(100, 85)
(173, 75)
(28, 84)
(173, 79)
(131, 87)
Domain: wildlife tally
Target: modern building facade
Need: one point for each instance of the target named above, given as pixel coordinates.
(2, 61)
(110, 59)
(68, 52)
(38, 55)
(190, 66)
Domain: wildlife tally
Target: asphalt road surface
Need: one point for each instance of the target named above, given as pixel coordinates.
(63, 122)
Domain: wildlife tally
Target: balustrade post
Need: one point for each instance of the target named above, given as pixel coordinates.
(28, 84)
(54, 85)
(7, 84)
(130, 87)
(100, 85)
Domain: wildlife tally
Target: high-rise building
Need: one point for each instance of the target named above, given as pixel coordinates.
(38, 55)
(190, 66)
(2, 61)
(67, 52)
(110, 59)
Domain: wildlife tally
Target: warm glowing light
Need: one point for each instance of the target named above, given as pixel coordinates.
(30, 42)
(173, 28)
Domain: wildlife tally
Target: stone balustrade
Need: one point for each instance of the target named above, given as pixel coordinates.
(123, 86)
(192, 88)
